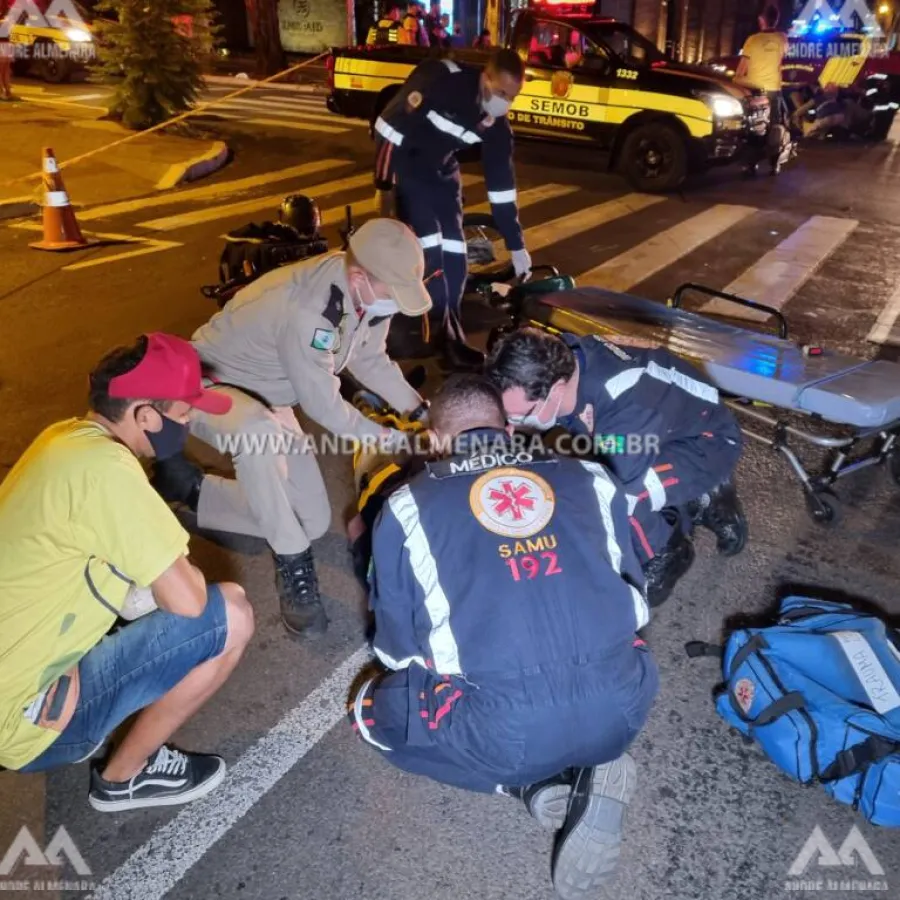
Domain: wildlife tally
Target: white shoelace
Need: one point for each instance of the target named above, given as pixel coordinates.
(168, 762)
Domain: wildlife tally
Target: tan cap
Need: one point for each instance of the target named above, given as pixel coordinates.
(391, 252)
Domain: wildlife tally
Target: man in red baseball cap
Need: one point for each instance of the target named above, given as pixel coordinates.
(85, 540)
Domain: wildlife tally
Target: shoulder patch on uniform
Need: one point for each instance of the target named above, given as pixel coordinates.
(323, 339)
(414, 100)
(334, 309)
(512, 502)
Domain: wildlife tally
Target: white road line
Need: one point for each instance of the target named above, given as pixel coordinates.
(881, 330)
(279, 104)
(663, 249)
(212, 191)
(532, 195)
(157, 866)
(283, 123)
(211, 213)
(148, 246)
(313, 114)
(561, 229)
(777, 276)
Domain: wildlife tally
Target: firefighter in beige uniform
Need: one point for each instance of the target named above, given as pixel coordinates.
(279, 343)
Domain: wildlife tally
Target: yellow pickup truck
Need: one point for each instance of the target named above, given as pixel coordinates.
(50, 40)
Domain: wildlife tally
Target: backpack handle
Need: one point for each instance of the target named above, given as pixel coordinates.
(858, 757)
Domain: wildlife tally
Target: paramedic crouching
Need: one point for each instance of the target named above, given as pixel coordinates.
(506, 601)
(688, 442)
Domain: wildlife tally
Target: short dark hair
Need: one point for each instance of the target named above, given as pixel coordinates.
(466, 401)
(531, 359)
(118, 362)
(770, 16)
(508, 61)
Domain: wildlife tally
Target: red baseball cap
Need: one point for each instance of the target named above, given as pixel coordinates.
(170, 370)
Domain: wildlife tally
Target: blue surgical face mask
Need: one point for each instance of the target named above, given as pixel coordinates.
(169, 441)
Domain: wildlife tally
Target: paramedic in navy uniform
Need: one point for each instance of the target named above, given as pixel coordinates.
(507, 597)
(444, 108)
(679, 445)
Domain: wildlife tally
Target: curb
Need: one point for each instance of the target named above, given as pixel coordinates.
(200, 167)
(233, 81)
(18, 208)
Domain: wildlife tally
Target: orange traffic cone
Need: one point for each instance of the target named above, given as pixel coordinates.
(61, 231)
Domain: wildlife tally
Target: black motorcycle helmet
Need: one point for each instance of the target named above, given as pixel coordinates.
(302, 214)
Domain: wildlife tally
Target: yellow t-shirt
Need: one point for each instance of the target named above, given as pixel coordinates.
(765, 54)
(76, 512)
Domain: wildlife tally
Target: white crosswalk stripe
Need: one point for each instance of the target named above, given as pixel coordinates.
(569, 229)
(289, 110)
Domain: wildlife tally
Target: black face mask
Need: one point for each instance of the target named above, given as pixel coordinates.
(169, 440)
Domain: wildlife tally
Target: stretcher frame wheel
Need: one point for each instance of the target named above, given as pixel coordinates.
(824, 507)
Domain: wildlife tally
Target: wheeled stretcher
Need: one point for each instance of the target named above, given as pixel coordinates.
(852, 405)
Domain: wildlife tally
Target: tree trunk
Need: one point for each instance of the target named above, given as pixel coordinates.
(270, 56)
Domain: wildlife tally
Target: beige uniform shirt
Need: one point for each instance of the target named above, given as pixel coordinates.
(287, 335)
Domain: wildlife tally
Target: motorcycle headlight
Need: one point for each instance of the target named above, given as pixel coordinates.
(723, 106)
(78, 35)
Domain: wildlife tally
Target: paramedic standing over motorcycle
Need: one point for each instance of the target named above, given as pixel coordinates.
(760, 67)
(441, 109)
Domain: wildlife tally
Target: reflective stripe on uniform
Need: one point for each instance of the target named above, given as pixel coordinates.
(498, 197)
(398, 664)
(441, 641)
(453, 246)
(430, 240)
(359, 718)
(605, 492)
(448, 127)
(655, 490)
(618, 384)
(388, 133)
(452, 66)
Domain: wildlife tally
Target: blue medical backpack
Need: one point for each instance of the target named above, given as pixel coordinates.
(819, 692)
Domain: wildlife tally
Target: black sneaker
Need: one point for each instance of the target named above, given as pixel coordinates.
(170, 778)
(666, 569)
(588, 846)
(548, 801)
(721, 512)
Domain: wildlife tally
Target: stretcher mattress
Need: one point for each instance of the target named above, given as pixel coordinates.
(740, 362)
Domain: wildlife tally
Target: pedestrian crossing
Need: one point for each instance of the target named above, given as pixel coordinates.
(302, 111)
(837, 275)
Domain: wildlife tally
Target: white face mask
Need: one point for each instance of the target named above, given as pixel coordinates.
(380, 306)
(495, 106)
(532, 420)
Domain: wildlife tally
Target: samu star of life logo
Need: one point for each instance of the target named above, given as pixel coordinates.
(512, 502)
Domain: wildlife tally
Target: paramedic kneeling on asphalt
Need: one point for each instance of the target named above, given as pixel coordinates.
(85, 539)
(441, 110)
(507, 597)
(279, 343)
(660, 426)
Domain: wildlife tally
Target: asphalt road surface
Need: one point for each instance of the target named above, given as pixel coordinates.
(308, 812)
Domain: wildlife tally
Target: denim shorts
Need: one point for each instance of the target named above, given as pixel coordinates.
(131, 669)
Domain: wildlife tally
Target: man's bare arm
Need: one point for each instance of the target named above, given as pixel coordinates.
(181, 589)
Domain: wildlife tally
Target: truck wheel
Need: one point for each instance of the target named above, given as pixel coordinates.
(55, 71)
(654, 158)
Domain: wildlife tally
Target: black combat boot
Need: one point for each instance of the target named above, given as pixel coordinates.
(302, 612)
(458, 354)
(547, 801)
(668, 566)
(178, 480)
(722, 513)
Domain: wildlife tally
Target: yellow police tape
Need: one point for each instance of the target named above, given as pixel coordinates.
(191, 112)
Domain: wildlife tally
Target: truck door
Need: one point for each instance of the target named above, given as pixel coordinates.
(567, 81)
